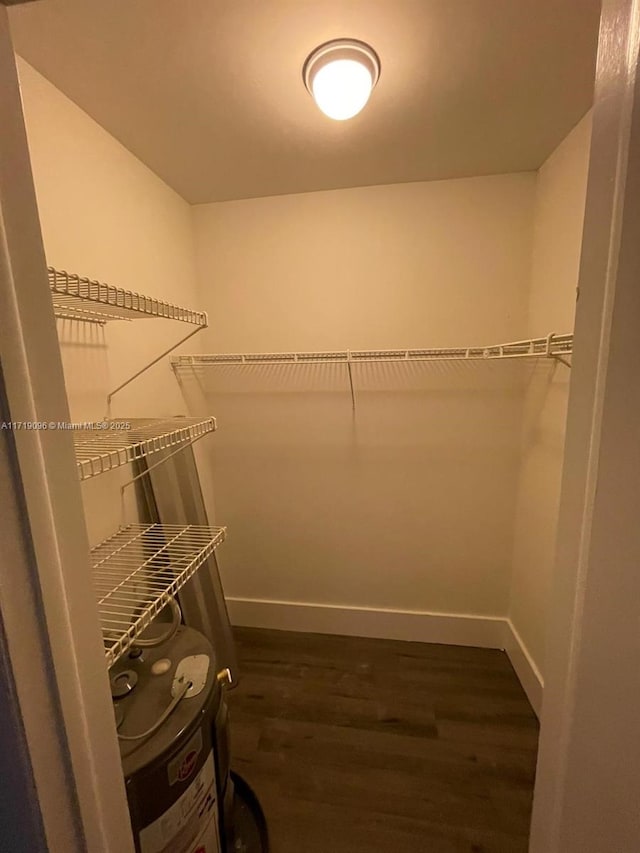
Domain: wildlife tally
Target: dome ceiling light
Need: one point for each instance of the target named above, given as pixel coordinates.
(340, 76)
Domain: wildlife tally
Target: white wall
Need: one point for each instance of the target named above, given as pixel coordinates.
(409, 504)
(105, 215)
(559, 213)
(404, 265)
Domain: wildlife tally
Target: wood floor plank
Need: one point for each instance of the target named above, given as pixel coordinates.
(354, 744)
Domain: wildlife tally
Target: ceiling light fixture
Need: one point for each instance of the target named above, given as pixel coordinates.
(340, 76)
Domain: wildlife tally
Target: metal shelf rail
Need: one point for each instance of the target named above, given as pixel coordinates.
(76, 297)
(557, 347)
(139, 570)
(553, 346)
(102, 449)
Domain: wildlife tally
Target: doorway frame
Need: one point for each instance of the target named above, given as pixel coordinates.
(587, 794)
(51, 638)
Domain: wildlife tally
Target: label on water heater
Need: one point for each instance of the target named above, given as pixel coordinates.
(191, 824)
(184, 763)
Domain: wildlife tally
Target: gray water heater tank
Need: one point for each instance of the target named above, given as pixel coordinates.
(170, 775)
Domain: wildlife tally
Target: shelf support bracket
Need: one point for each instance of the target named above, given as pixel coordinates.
(563, 360)
(149, 468)
(550, 354)
(142, 370)
(353, 396)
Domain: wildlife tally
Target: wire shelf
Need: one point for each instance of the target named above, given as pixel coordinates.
(107, 445)
(553, 346)
(78, 298)
(138, 570)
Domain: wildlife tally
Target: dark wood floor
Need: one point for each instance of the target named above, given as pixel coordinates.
(374, 746)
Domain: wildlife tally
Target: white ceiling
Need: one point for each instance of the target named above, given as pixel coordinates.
(209, 93)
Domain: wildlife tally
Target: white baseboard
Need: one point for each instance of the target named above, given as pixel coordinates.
(448, 628)
(458, 629)
(525, 667)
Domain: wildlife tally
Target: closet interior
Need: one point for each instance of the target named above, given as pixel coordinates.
(358, 356)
